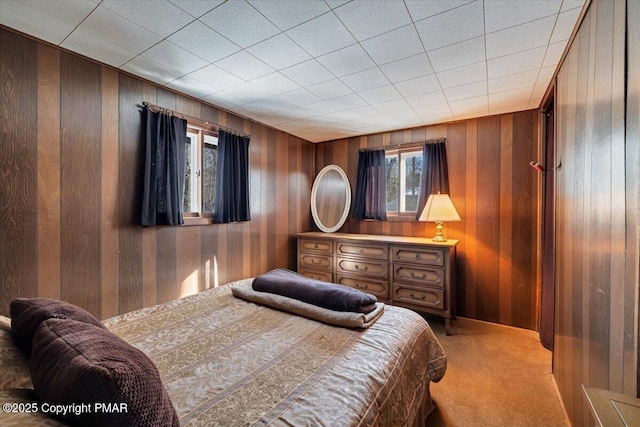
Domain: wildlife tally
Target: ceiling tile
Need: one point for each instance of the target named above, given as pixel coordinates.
(426, 99)
(458, 55)
(521, 95)
(89, 44)
(466, 91)
(240, 23)
(513, 81)
(201, 40)
(174, 57)
(564, 25)
(318, 108)
(329, 89)
(298, 97)
(247, 92)
(346, 61)
(279, 52)
(366, 19)
(223, 99)
(216, 77)
(197, 8)
(119, 31)
(545, 75)
(158, 16)
(554, 53)
(536, 95)
(394, 45)
(275, 83)
(403, 119)
(463, 75)
(468, 108)
(321, 35)
(244, 65)
(288, 13)
(151, 70)
(420, 9)
(500, 14)
(392, 106)
(360, 112)
(380, 94)
(364, 80)
(519, 38)
(407, 68)
(38, 18)
(507, 108)
(516, 62)
(191, 86)
(429, 111)
(417, 86)
(571, 4)
(453, 26)
(346, 102)
(308, 73)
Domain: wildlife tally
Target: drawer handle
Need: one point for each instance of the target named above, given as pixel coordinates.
(315, 246)
(359, 286)
(418, 256)
(313, 261)
(363, 269)
(423, 296)
(361, 251)
(412, 274)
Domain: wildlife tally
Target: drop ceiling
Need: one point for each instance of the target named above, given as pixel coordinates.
(322, 69)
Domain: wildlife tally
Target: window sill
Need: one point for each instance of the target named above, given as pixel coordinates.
(197, 221)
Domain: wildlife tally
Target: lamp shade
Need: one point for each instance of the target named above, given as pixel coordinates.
(439, 207)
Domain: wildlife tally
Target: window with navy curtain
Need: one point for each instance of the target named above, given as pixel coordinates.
(165, 139)
(435, 176)
(371, 186)
(232, 179)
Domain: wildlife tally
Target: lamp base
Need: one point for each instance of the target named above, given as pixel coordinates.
(439, 237)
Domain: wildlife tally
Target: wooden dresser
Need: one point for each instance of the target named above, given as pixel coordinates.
(411, 272)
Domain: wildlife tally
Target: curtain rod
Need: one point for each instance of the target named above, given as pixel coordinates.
(405, 145)
(198, 119)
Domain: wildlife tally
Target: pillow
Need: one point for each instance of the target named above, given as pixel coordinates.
(74, 362)
(24, 415)
(14, 367)
(5, 323)
(28, 313)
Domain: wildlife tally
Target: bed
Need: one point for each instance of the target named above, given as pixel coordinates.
(228, 362)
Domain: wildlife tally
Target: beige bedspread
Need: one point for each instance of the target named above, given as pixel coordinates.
(228, 362)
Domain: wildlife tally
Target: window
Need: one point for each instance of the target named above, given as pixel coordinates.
(200, 172)
(403, 169)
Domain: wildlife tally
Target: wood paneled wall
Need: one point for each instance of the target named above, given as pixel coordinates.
(70, 195)
(494, 191)
(596, 335)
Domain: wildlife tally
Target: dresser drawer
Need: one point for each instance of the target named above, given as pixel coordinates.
(323, 276)
(370, 268)
(418, 255)
(362, 250)
(319, 246)
(315, 261)
(379, 288)
(418, 275)
(427, 297)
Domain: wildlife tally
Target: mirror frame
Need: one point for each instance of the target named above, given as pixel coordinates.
(314, 196)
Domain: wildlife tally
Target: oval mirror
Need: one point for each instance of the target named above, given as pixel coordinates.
(330, 198)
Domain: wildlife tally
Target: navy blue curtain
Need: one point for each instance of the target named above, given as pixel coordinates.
(435, 176)
(371, 186)
(232, 179)
(165, 139)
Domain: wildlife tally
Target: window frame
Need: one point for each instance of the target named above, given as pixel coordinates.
(198, 216)
(401, 154)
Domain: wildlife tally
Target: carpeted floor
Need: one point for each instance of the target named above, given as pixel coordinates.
(496, 376)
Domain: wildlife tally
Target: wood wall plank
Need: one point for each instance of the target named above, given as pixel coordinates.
(80, 181)
(109, 200)
(48, 172)
(596, 254)
(18, 168)
(130, 270)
